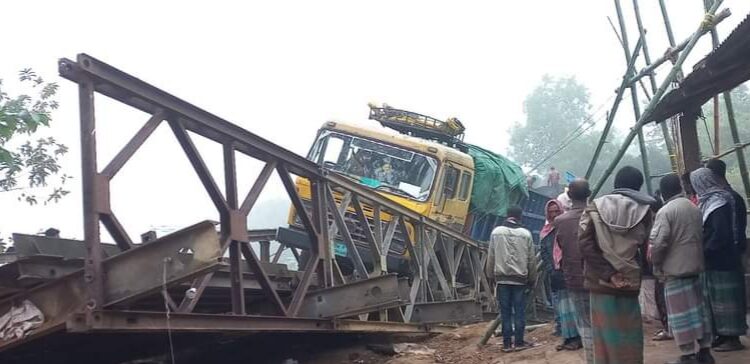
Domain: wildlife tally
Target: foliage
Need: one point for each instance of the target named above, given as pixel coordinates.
(27, 164)
(741, 107)
(553, 110)
(558, 112)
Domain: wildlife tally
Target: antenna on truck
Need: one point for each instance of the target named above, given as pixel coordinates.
(449, 132)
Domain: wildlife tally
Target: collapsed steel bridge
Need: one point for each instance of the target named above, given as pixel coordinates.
(204, 280)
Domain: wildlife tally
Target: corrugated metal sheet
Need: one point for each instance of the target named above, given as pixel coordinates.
(725, 68)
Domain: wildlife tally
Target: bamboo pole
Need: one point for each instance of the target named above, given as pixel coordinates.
(613, 110)
(676, 48)
(731, 118)
(717, 138)
(634, 98)
(664, 128)
(490, 330)
(656, 97)
(667, 23)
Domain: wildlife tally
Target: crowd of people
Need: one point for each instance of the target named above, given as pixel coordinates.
(691, 237)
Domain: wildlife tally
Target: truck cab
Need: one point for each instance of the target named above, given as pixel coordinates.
(427, 177)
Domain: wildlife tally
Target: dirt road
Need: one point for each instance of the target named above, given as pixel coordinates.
(460, 347)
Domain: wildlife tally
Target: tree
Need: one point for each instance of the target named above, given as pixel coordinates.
(741, 104)
(27, 165)
(559, 131)
(553, 110)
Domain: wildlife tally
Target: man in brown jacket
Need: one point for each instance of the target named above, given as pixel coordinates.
(614, 230)
(572, 262)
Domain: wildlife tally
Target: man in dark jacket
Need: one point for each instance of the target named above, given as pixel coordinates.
(572, 263)
(724, 281)
(719, 168)
(613, 234)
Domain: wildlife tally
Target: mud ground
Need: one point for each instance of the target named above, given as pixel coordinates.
(460, 347)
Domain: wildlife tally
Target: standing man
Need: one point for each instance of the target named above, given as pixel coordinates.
(723, 281)
(511, 260)
(677, 257)
(572, 262)
(553, 177)
(613, 233)
(719, 168)
(562, 304)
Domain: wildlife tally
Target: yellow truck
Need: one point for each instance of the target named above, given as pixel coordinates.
(419, 162)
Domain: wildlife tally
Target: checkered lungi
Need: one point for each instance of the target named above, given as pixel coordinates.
(616, 329)
(688, 318)
(724, 296)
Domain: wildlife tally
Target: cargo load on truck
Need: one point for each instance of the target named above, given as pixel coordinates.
(498, 182)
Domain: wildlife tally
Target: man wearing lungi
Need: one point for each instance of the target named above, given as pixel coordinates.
(614, 230)
(677, 257)
(572, 263)
(723, 282)
(719, 168)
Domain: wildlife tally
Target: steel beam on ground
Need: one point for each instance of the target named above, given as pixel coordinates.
(155, 322)
(353, 298)
(127, 276)
(447, 311)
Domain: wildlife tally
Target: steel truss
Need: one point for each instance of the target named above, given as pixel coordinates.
(446, 275)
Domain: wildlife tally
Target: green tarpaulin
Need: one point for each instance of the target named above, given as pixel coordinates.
(498, 182)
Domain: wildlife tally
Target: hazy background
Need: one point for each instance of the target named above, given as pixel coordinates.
(280, 69)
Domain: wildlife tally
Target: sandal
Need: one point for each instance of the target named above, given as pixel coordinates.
(662, 335)
(573, 345)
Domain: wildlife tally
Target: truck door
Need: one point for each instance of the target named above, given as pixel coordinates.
(453, 199)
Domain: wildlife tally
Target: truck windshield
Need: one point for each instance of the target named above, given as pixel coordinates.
(376, 165)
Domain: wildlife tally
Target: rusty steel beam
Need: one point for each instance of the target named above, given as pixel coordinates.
(199, 166)
(322, 244)
(301, 291)
(353, 298)
(132, 146)
(117, 231)
(257, 188)
(94, 281)
(256, 235)
(198, 286)
(126, 277)
(373, 243)
(229, 228)
(338, 218)
(265, 282)
(265, 251)
(155, 322)
(461, 311)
